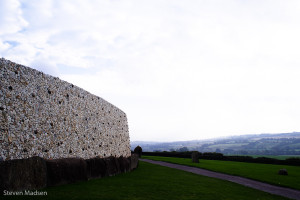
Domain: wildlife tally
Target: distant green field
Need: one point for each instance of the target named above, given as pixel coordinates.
(225, 146)
(261, 172)
(152, 182)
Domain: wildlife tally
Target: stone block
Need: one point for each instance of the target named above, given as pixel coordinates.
(283, 172)
(96, 168)
(21, 174)
(66, 170)
(195, 157)
(124, 164)
(134, 161)
(113, 166)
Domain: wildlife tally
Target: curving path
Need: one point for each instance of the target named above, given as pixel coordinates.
(281, 191)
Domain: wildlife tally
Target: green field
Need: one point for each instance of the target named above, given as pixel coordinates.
(152, 182)
(261, 172)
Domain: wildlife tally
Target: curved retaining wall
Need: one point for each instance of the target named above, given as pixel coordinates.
(43, 116)
(36, 173)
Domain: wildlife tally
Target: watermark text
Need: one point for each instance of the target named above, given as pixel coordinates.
(25, 193)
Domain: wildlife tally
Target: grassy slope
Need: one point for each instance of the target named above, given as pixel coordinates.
(262, 172)
(153, 182)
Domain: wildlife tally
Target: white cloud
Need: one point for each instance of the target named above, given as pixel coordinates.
(11, 20)
(179, 69)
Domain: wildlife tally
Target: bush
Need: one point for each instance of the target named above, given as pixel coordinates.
(138, 150)
(212, 156)
(220, 156)
(292, 161)
(169, 154)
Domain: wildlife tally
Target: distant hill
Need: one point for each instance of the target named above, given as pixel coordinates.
(261, 144)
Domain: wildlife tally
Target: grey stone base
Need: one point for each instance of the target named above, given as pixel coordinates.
(16, 175)
(36, 173)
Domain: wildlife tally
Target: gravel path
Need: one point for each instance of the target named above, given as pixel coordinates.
(281, 191)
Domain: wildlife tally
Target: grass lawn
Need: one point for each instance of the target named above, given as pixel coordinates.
(262, 172)
(152, 182)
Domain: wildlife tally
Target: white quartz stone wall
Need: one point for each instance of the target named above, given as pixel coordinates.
(41, 115)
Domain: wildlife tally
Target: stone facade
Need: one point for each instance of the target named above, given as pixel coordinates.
(43, 116)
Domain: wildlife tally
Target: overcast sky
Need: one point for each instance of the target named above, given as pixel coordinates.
(181, 70)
